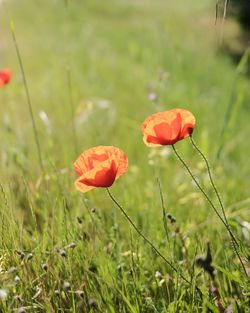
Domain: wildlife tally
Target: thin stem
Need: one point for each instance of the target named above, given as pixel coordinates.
(198, 185)
(149, 242)
(235, 243)
(212, 182)
(164, 213)
(234, 240)
(145, 238)
(225, 10)
(216, 11)
(28, 99)
(71, 108)
(223, 20)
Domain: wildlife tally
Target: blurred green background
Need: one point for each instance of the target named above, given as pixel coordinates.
(101, 67)
(117, 54)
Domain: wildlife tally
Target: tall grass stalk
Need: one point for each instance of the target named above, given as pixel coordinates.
(223, 20)
(12, 27)
(225, 10)
(71, 102)
(229, 110)
(224, 222)
(216, 11)
(70, 92)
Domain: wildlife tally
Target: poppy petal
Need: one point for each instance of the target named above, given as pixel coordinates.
(103, 177)
(5, 76)
(99, 167)
(166, 128)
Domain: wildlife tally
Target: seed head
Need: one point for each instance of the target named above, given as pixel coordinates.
(12, 269)
(72, 245)
(79, 220)
(152, 96)
(158, 274)
(80, 293)
(62, 253)
(66, 286)
(3, 294)
(20, 254)
(29, 256)
(93, 304)
(18, 298)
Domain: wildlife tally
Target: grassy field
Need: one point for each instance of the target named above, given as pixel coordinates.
(91, 67)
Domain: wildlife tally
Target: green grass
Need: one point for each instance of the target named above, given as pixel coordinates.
(117, 52)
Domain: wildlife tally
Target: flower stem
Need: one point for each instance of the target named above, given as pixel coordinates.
(234, 242)
(213, 185)
(145, 238)
(164, 213)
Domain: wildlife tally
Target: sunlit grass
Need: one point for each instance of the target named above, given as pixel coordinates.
(117, 52)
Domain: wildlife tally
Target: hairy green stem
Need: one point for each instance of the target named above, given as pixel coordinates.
(234, 240)
(235, 243)
(145, 238)
(213, 185)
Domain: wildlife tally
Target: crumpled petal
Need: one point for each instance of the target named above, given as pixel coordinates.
(99, 167)
(166, 128)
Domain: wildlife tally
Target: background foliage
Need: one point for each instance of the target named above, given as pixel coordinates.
(105, 61)
(241, 9)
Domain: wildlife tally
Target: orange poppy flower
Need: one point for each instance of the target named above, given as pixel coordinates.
(5, 76)
(99, 167)
(166, 128)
